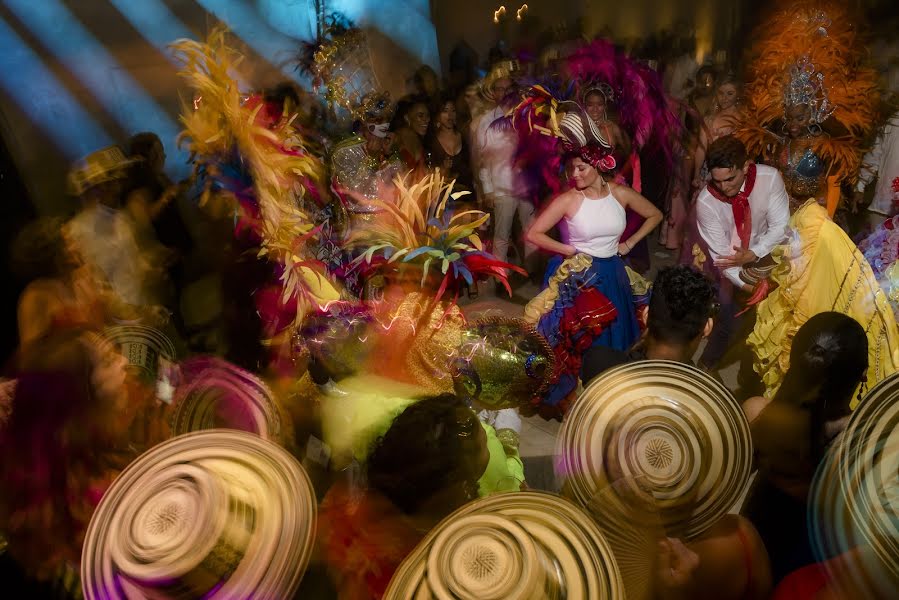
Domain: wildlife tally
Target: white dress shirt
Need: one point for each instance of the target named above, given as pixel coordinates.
(882, 162)
(770, 219)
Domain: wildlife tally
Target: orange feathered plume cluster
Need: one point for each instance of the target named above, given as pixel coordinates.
(828, 34)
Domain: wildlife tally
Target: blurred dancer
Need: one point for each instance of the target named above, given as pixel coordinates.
(102, 232)
(65, 442)
(502, 186)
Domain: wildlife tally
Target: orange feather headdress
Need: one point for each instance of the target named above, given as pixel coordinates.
(811, 53)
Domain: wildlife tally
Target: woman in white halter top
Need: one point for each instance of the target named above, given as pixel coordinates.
(587, 300)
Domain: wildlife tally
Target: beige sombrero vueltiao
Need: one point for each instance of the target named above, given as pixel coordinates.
(218, 514)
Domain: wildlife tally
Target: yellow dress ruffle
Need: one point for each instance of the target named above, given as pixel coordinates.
(545, 300)
(818, 270)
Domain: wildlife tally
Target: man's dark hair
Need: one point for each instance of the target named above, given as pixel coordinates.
(726, 152)
(681, 303)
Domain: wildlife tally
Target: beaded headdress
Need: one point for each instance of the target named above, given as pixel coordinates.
(806, 87)
(603, 88)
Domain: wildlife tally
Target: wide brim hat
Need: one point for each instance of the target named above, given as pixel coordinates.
(216, 514)
(506, 69)
(658, 436)
(519, 545)
(503, 363)
(854, 497)
(106, 164)
(215, 394)
(146, 348)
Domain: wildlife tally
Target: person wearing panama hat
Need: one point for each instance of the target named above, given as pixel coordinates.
(500, 185)
(102, 233)
(99, 167)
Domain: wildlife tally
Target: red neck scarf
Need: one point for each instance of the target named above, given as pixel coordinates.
(740, 205)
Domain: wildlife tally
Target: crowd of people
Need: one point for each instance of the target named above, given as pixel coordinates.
(266, 380)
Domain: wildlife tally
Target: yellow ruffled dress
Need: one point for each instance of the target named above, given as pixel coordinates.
(820, 269)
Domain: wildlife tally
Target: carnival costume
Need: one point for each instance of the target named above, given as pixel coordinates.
(587, 299)
(810, 55)
(643, 108)
(819, 269)
(245, 162)
(644, 114)
(881, 250)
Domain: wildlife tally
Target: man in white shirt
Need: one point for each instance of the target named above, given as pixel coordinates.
(734, 240)
(881, 162)
(501, 184)
(742, 214)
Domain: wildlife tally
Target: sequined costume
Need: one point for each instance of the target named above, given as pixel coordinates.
(812, 99)
(356, 171)
(803, 171)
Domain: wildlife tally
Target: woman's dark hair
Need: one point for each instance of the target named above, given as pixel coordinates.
(142, 144)
(433, 444)
(726, 152)
(729, 79)
(828, 360)
(680, 306)
(404, 106)
(439, 101)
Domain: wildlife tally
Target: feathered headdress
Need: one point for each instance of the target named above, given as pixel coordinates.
(340, 61)
(809, 53)
(416, 230)
(564, 122)
(644, 110)
(254, 163)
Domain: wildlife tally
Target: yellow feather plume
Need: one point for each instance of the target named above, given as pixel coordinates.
(218, 122)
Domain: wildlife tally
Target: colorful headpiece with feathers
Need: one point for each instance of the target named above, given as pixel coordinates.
(416, 230)
(566, 121)
(253, 164)
(644, 110)
(810, 53)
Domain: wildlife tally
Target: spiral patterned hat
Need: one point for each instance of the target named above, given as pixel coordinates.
(217, 394)
(854, 498)
(144, 347)
(658, 434)
(515, 546)
(215, 514)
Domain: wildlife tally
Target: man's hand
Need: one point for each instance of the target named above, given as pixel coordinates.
(739, 258)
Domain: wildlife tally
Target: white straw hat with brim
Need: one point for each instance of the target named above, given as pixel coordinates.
(514, 546)
(215, 394)
(106, 164)
(144, 347)
(854, 497)
(657, 436)
(218, 514)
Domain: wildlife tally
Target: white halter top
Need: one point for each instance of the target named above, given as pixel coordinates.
(596, 227)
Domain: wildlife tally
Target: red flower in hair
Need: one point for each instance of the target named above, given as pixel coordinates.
(599, 157)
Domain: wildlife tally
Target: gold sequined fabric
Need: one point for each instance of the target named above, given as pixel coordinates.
(418, 340)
